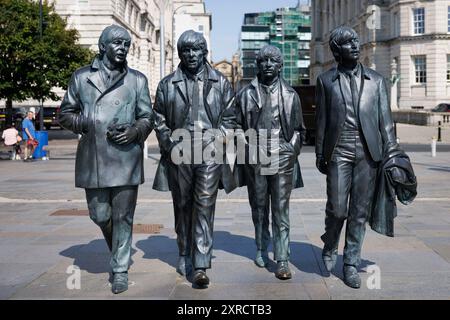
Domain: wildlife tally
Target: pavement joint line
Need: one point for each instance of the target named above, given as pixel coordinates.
(233, 200)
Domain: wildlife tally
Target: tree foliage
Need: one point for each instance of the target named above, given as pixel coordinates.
(30, 66)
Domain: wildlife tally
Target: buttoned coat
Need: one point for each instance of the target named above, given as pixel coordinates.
(249, 108)
(374, 113)
(171, 109)
(89, 108)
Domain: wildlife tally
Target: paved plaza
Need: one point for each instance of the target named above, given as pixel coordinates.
(38, 250)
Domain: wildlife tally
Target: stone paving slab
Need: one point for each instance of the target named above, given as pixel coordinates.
(36, 248)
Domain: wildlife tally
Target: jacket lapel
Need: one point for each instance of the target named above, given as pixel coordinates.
(363, 93)
(211, 79)
(286, 101)
(254, 94)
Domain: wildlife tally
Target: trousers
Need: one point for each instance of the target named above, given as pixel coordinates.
(112, 209)
(350, 189)
(267, 192)
(194, 191)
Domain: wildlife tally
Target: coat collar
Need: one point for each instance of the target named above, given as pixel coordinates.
(364, 71)
(256, 96)
(178, 74)
(96, 79)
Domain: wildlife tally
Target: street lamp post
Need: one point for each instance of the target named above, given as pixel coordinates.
(173, 31)
(162, 7)
(41, 113)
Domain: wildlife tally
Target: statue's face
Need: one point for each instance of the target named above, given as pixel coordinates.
(269, 67)
(192, 58)
(350, 49)
(116, 49)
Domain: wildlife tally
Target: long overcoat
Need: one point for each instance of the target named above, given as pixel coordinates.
(89, 108)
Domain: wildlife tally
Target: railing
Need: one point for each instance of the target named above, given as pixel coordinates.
(422, 118)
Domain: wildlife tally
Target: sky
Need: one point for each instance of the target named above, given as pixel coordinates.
(227, 18)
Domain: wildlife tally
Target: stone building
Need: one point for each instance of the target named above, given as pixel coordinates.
(140, 17)
(406, 41)
(190, 14)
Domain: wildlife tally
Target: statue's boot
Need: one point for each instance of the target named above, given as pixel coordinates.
(351, 277)
(120, 282)
(200, 278)
(283, 272)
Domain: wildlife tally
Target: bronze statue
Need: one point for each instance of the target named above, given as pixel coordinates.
(109, 104)
(194, 99)
(270, 107)
(354, 133)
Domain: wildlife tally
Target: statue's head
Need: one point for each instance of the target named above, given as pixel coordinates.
(344, 43)
(114, 43)
(192, 50)
(269, 61)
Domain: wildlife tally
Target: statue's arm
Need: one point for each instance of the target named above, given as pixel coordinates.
(228, 119)
(386, 123)
(299, 130)
(71, 116)
(163, 132)
(320, 117)
(144, 111)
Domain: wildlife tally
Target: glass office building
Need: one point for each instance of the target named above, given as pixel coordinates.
(286, 28)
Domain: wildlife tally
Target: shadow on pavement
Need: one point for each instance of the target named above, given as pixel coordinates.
(92, 257)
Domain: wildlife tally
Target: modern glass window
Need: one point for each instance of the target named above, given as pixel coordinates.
(420, 69)
(419, 20)
(448, 68)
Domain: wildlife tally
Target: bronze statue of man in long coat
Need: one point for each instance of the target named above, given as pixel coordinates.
(109, 105)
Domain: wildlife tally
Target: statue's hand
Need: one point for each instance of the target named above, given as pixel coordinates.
(124, 134)
(321, 165)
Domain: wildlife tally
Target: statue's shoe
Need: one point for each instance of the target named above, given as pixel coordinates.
(200, 278)
(120, 282)
(283, 272)
(351, 277)
(262, 259)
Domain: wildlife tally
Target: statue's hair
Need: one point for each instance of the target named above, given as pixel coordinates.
(339, 36)
(192, 39)
(110, 33)
(269, 51)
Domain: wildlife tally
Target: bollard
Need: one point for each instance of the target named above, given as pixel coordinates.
(439, 132)
(433, 147)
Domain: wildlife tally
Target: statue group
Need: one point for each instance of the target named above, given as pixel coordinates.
(196, 114)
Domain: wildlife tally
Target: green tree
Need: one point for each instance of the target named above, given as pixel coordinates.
(30, 66)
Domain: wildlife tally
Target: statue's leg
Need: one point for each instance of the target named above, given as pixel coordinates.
(206, 185)
(339, 179)
(361, 196)
(123, 204)
(258, 195)
(280, 186)
(99, 205)
(180, 181)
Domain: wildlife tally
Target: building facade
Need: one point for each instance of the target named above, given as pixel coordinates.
(140, 17)
(230, 70)
(289, 29)
(190, 14)
(406, 41)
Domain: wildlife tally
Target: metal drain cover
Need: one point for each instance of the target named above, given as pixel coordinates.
(147, 228)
